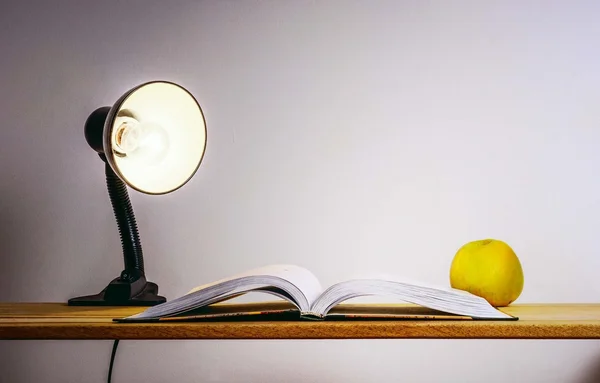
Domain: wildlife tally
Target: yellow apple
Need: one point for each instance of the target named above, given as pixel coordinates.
(488, 268)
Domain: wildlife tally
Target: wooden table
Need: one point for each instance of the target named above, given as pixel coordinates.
(59, 321)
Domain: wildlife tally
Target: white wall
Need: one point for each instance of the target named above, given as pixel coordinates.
(345, 136)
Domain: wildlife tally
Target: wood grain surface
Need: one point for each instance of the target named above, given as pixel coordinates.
(59, 321)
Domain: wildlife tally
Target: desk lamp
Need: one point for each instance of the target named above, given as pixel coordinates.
(153, 140)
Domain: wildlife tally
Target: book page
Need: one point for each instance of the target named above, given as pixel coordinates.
(443, 299)
(300, 277)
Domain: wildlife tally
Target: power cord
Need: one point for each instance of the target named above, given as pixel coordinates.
(112, 359)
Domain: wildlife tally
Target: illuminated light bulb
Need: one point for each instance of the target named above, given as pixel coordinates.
(143, 142)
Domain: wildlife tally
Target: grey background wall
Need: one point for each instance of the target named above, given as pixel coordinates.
(345, 136)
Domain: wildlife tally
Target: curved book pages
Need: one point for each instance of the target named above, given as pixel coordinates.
(302, 290)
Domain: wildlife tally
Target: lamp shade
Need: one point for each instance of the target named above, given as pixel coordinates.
(154, 137)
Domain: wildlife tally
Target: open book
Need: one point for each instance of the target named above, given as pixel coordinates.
(302, 290)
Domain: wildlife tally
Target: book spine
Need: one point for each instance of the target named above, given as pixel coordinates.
(308, 315)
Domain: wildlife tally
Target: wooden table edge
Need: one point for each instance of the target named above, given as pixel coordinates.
(294, 330)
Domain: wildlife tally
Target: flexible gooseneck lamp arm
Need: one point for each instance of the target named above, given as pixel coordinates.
(133, 255)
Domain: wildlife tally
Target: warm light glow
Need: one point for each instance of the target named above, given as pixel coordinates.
(157, 139)
(146, 143)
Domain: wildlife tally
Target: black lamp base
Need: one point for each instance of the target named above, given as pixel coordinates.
(119, 293)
